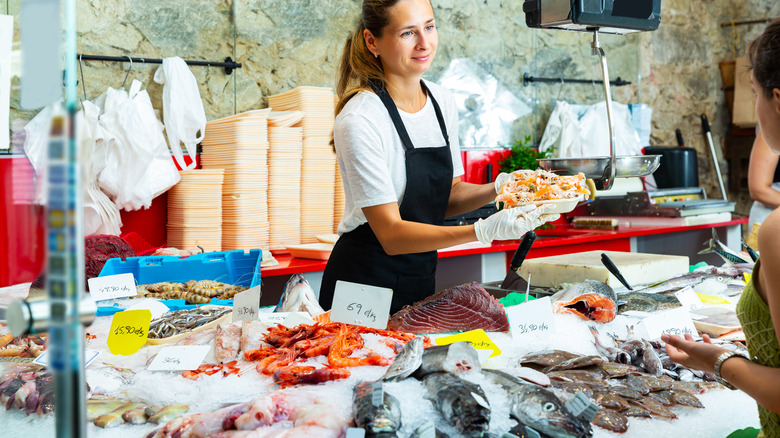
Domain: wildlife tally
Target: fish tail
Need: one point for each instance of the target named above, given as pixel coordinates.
(751, 252)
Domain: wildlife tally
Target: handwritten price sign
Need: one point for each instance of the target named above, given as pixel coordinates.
(112, 286)
(179, 358)
(246, 305)
(129, 330)
(674, 322)
(532, 318)
(360, 304)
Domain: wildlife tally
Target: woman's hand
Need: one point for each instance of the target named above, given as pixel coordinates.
(691, 354)
(512, 223)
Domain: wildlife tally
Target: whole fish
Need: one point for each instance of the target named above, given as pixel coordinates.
(406, 362)
(751, 252)
(651, 362)
(539, 408)
(646, 302)
(611, 420)
(606, 346)
(590, 300)
(298, 296)
(726, 253)
(168, 413)
(114, 418)
(577, 362)
(612, 401)
(547, 358)
(676, 283)
(462, 404)
(454, 358)
(381, 419)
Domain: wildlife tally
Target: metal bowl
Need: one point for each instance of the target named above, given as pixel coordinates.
(626, 166)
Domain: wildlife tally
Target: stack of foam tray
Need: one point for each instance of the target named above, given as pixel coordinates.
(284, 178)
(195, 210)
(318, 164)
(239, 144)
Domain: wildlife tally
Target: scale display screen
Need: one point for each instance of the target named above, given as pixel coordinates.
(639, 9)
(609, 16)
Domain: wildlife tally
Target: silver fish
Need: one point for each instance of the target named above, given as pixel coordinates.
(454, 358)
(651, 362)
(298, 296)
(684, 280)
(606, 347)
(406, 362)
(726, 253)
(383, 420)
(539, 408)
(462, 404)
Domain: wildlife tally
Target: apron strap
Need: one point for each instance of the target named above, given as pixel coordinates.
(395, 116)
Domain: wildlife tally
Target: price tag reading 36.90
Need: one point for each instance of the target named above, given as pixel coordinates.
(129, 330)
(360, 304)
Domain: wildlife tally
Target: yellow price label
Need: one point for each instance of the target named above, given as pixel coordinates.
(129, 330)
(711, 299)
(477, 338)
(747, 276)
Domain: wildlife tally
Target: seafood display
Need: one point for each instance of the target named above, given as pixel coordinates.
(726, 253)
(28, 387)
(462, 404)
(377, 418)
(20, 347)
(646, 302)
(194, 292)
(540, 185)
(182, 321)
(590, 300)
(460, 308)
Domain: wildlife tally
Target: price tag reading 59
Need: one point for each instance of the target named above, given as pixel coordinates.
(129, 330)
(360, 304)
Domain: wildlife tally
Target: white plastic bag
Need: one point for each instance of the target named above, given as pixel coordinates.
(183, 112)
(36, 145)
(138, 164)
(562, 132)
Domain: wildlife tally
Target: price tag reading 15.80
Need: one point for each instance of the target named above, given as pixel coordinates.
(360, 304)
(129, 330)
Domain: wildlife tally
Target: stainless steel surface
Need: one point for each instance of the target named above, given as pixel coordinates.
(608, 177)
(626, 166)
(26, 316)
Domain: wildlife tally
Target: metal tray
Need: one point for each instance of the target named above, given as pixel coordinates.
(626, 166)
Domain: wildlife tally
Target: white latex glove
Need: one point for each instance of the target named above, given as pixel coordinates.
(512, 223)
(502, 179)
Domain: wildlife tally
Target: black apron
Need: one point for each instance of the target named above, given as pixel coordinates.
(358, 256)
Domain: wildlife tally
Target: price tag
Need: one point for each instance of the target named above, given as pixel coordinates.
(246, 305)
(581, 406)
(89, 357)
(295, 319)
(689, 299)
(355, 432)
(360, 304)
(129, 330)
(477, 338)
(157, 308)
(531, 319)
(112, 286)
(672, 322)
(179, 358)
(377, 394)
(277, 317)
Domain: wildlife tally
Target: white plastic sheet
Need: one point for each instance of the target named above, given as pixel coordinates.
(183, 114)
(583, 131)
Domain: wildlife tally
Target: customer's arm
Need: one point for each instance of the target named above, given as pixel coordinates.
(761, 173)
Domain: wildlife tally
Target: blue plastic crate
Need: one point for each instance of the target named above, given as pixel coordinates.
(231, 267)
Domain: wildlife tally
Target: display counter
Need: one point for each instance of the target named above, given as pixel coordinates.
(485, 263)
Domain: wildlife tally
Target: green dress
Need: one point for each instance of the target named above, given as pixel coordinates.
(753, 314)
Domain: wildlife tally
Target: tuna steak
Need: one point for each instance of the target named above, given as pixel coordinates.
(460, 308)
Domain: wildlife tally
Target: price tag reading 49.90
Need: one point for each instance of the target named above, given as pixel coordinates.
(360, 304)
(129, 330)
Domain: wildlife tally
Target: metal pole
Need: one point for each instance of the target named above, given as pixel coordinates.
(609, 171)
(65, 259)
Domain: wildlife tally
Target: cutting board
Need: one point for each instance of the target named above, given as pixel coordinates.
(637, 268)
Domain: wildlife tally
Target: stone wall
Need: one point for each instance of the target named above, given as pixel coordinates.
(287, 43)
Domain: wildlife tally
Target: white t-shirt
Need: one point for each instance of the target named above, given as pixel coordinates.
(370, 154)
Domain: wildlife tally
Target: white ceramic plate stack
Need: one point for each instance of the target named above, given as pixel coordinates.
(195, 210)
(284, 178)
(318, 165)
(239, 144)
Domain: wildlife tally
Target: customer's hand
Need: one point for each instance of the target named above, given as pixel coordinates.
(691, 354)
(502, 179)
(512, 223)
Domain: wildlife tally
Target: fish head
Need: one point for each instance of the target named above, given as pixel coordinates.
(543, 411)
(298, 296)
